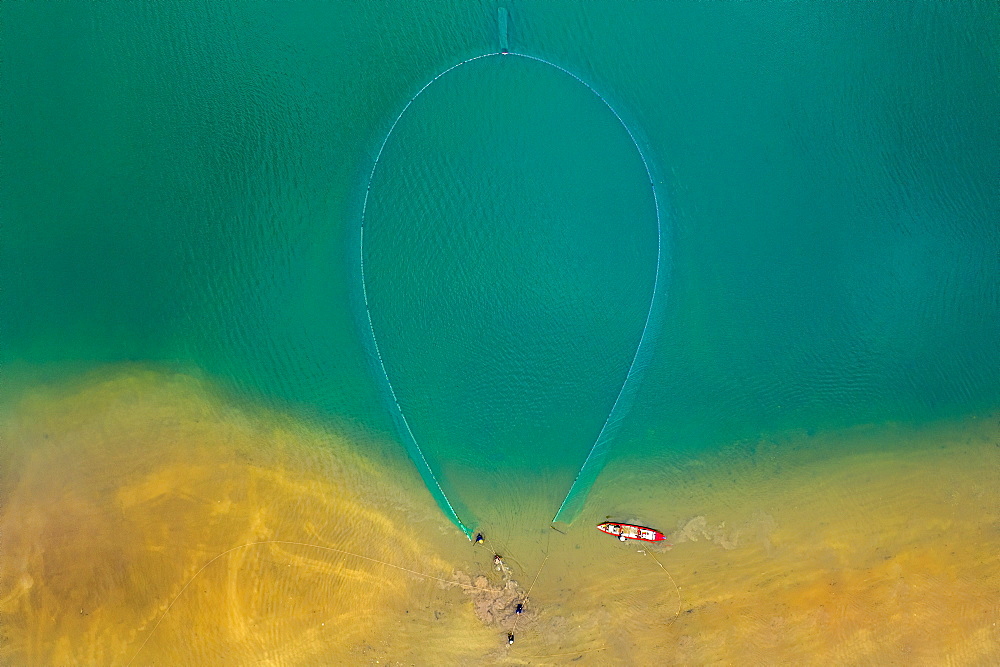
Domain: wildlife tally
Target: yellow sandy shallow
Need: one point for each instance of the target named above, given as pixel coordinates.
(866, 558)
(121, 490)
(144, 519)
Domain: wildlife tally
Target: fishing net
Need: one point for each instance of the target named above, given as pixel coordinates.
(512, 263)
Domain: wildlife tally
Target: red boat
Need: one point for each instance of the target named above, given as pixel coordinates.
(627, 531)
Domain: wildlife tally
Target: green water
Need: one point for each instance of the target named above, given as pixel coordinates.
(183, 184)
(511, 252)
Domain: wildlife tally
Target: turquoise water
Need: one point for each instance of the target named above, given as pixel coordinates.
(184, 184)
(511, 257)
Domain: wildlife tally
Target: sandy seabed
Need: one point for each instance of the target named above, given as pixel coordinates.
(147, 519)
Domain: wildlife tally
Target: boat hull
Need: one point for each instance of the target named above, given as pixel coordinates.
(628, 531)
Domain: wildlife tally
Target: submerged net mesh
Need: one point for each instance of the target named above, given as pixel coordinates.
(591, 464)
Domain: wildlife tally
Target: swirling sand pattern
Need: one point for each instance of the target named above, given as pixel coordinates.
(127, 502)
(123, 490)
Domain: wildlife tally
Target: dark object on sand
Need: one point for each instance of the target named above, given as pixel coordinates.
(519, 609)
(510, 637)
(479, 538)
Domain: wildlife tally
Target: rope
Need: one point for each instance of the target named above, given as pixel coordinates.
(677, 589)
(513, 628)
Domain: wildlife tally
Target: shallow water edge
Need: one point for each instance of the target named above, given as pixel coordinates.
(145, 518)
